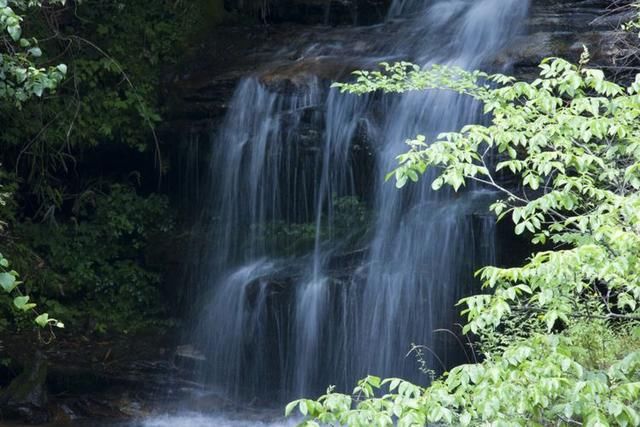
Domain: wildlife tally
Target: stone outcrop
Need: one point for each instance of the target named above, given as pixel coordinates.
(562, 28)
(103, 379)
(328, 12)
(26, 396)
(284, 57)
(288, 55)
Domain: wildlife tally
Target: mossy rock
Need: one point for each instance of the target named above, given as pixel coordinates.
(26, 397)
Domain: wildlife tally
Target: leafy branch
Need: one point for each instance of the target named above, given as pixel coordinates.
(564, 152)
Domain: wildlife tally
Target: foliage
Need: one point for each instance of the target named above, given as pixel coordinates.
(20, 78)
(570, 141)
(109, 102)
(94, 262)
(76, 228)
(348, 220)
(535, 382)
(633, 25)
(9, 283)
(626, 40)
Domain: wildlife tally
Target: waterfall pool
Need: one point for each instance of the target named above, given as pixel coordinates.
(220, 420)
(249, 418)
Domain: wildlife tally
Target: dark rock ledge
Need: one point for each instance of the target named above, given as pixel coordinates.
(99, 379)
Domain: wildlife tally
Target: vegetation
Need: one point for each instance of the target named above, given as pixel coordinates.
(564, 151)
(81, 203)
(81, 159)
(633, 26)
(21, 79)
(82, 280)
(349, 220)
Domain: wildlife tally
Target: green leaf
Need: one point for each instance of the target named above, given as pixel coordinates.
(38, 89)
(290, 407)
(35, 51)
(15, 32)
(22, 303)
(42, 320)
(632, 415)
(302, 406)
(8, 282)
(374, 381)
(437, 183)
(21, 74)
(465, 419)
(551, 318)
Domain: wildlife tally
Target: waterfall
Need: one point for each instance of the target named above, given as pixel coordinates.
(301, 295)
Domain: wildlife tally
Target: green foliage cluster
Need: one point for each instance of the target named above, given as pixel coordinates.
(570, 140)
(95, 261)
(20, 77)
(349, 218)
(111, 100)
(76, 230)
(9, 283)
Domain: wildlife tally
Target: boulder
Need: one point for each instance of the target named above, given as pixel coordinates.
(26, 396)
(305, 72)
(563, 29)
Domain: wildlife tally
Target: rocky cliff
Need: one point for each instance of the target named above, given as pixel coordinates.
(288, 53)
(562, 28)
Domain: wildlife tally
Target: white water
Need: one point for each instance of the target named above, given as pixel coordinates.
(200, 420)
(279, 326)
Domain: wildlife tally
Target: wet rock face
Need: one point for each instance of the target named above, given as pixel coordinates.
(328, 12)
(287, 55)
(26, 396)
(106, 379)
(303, 73)
(290, 56)
(561, 28)
(286, 58)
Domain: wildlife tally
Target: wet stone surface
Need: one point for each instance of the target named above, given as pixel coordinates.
(91, 378)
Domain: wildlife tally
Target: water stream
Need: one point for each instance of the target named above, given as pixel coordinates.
(378, 269)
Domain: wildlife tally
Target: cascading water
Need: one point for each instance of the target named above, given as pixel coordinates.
(420, 254)
(290, 319)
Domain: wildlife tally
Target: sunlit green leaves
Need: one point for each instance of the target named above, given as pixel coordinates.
(22, 303)
(8, 281)
(539, 377)
(559, 332)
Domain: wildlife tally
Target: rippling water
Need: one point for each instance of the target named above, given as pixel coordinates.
(250, 418)
(277, 327)
(218, 420)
